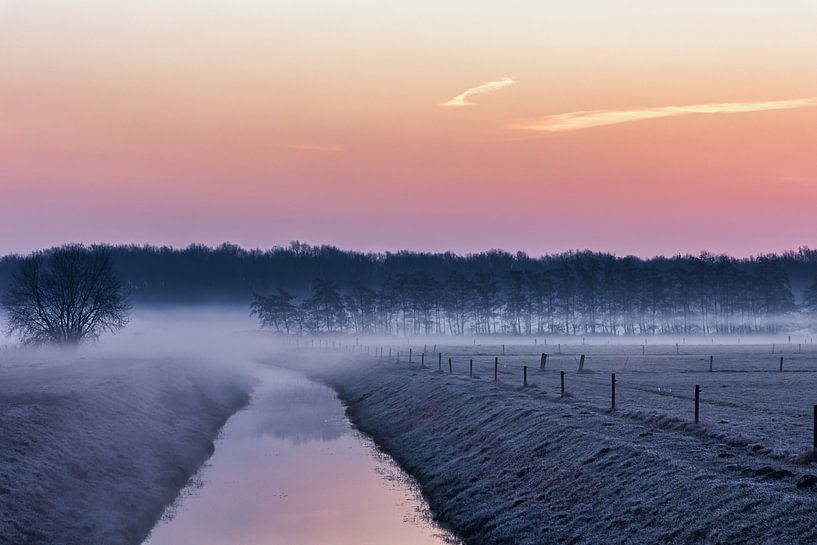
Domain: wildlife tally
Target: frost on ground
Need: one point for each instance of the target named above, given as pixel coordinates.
(92, 450)
(504, 464)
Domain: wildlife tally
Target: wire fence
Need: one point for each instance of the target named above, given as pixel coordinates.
(766, 394)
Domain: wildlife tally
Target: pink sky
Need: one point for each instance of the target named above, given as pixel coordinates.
(169, 122)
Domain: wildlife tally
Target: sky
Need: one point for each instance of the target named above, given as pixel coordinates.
(628, 126)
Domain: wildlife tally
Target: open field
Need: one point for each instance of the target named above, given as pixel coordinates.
(745, 398)
(503, 463)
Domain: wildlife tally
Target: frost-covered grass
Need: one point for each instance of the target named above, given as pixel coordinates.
(506, 464)
(93, 448)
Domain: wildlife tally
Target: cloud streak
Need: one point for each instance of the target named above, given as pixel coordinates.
(574, 121)
(487, 87)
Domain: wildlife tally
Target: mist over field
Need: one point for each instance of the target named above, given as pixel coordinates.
(144, 409)
(408, 272)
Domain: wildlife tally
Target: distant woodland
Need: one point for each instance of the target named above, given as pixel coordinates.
(302, 288)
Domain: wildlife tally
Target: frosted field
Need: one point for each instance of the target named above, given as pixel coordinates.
(744, 400)
(92, 449)
(500, 463)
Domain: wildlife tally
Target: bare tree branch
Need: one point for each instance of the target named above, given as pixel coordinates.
(65, 296)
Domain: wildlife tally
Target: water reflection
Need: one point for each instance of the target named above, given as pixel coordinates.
(290, 470)
(292, 407)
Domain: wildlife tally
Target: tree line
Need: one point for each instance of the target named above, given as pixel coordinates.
(582, 293)
(303, 288)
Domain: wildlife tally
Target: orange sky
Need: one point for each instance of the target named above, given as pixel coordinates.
(260, 122)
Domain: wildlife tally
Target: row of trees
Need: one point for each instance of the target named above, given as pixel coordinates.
(586, 294)
(70, 293)
(229, 274)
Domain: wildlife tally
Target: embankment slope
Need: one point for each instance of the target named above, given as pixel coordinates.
(91, 451)
(504, 466)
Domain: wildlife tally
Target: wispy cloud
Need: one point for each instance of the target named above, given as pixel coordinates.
(487, 87)
(574, 121)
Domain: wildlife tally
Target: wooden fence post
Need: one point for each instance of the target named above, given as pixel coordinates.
(423, 360)
(711, 361)
(581, 363)
(471, 369)
(440, 361)
(543, 362)
(697, 401)
(562, 376)
(814, 439)
(410, 355)
(613, 391)
(781, 364)
(524, 375)
(450, 371)
(496, 368)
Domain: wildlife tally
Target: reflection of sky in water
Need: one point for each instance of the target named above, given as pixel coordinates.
(291, 471)
(297, 409)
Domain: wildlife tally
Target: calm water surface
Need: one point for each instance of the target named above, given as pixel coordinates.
(290, 470)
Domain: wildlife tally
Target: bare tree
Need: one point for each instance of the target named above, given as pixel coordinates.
(65, 296)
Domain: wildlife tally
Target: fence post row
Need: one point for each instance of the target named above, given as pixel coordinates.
(380, 351)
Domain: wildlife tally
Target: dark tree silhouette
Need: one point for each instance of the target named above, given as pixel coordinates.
(276, 311)
(65, 296)
(810, 297)
(324, 308)
(411, 293)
